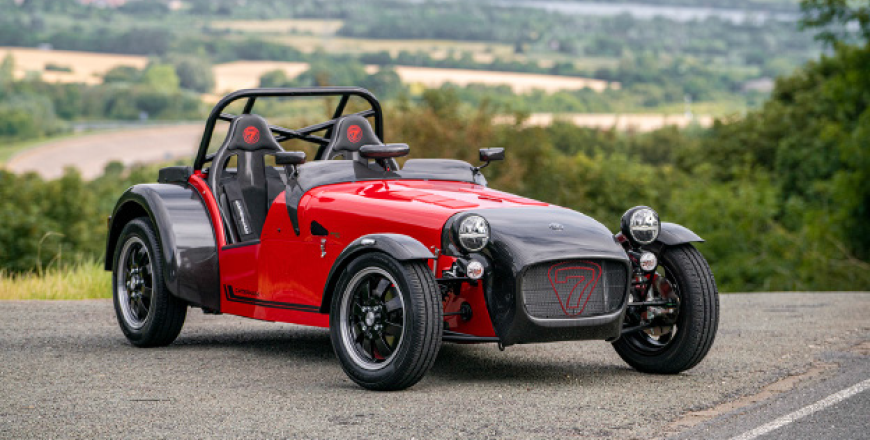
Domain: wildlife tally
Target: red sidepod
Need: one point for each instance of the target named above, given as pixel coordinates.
(283, 277)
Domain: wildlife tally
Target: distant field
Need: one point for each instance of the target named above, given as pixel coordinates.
(309, 35)
(86, 67)
(303, 26)
(434, 48)
(637, 122)
(246, 74)
(519, 82)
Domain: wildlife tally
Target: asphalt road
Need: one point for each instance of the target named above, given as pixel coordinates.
(91, 153)
(67, 372)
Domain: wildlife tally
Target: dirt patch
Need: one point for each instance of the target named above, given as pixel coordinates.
(90, 153)
(787, 383)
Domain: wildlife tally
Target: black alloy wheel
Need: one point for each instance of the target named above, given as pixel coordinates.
(136, 282)
(373, 316)
(386, 321)
(147, 313)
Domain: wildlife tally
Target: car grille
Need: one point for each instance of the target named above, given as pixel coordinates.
(574, 288)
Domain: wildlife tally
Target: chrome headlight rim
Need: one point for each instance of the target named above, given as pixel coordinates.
(467, 233)
(641, 225)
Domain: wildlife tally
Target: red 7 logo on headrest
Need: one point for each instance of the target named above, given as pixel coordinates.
(354, 133)
(251, 134)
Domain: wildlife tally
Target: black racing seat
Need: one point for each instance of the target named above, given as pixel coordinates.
(350, 134)
(245, 196)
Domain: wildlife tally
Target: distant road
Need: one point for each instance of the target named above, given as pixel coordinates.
(68, 372)
(92, 152)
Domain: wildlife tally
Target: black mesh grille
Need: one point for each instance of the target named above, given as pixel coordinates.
(574, 288)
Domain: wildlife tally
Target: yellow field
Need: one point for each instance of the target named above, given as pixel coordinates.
(636, 122)
(519, 82)
(246, 74)
(87, 67)
(305, 26)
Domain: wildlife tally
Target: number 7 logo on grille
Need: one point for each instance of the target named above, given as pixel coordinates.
(573, 283)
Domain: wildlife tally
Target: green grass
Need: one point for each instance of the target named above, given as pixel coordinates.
(82, 281)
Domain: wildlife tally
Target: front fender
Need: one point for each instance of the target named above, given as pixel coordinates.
(673, 234)
(187, 239)
(398, 246)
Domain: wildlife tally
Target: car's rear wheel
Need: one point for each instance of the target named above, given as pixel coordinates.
(681, 342)
(148, 314)
(385, 321)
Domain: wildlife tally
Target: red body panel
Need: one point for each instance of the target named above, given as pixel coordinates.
(198, 182)
(283, 277)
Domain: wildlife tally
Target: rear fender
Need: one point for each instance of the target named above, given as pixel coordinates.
(186, 235)
(398, 246)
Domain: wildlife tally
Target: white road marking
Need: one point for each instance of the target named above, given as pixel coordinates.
(805, 411)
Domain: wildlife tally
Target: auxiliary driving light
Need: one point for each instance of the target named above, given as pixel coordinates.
(648, 261)
(474, 270)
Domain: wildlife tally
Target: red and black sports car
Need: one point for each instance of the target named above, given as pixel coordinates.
(394, 260)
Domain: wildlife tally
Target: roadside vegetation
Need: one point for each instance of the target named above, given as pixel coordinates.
(84, 280)
(781, 194)
(659, 62)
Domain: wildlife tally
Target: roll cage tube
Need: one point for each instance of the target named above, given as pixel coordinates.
(284, 134)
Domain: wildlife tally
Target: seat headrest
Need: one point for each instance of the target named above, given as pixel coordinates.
(351, 133)
(251, 133)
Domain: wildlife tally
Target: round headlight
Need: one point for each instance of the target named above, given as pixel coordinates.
(473, 233)
(641, 225)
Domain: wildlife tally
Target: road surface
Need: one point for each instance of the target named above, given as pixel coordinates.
(90, 153)
(67, 372)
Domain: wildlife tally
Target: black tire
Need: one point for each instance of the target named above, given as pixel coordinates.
(697, 322)
(409, 351)
(156, 318)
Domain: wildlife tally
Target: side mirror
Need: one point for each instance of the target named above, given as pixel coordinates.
(488, 155)
(388, 151)
(491, 154)
(384, 154)
(290, 160)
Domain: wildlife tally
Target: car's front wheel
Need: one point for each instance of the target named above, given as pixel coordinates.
(674, 343)
(385, 321)
(148, 314)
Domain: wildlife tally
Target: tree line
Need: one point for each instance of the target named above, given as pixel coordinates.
(781, 196)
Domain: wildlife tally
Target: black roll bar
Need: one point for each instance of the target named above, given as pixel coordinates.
(306, 133)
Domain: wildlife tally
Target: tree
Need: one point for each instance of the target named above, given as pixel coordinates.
(122, 74)
(194, 73)
(835, 20)
(161, 77)
(274, 78)
(7, 72)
